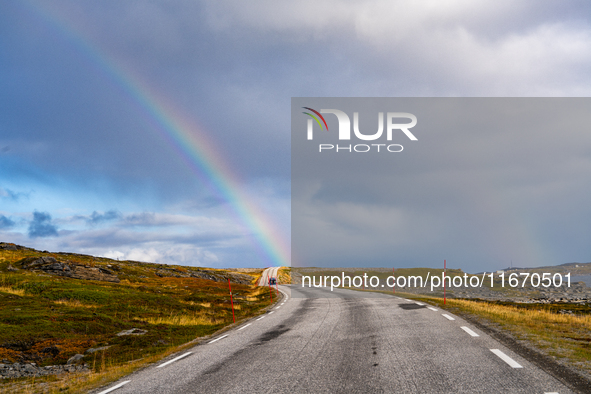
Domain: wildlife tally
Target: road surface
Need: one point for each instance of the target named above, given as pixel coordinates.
(270, 272)
(315, 341)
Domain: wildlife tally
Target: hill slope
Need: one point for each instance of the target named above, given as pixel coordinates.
(57, 305)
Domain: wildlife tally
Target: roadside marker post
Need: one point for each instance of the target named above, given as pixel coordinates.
(231, 301)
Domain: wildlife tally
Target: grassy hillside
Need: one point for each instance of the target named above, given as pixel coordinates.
(46, 316)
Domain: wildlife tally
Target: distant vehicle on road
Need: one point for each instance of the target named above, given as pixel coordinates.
(272, 282)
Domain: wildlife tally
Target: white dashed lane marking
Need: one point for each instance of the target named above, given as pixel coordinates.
(472, 333)
(114, 387)
(505, 358)
(174, 359)
(419, 303)
(262, 317)
(217, 339)
(243, 327)
(447, 316)
(433, 309)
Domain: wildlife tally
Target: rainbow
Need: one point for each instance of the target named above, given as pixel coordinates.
(182, 133)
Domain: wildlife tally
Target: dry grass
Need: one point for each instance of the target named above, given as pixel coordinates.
(534, 319)
(183, 320)
(284, 275)
(258, 291)
(193, 303)
(10, 290)
(74, 304)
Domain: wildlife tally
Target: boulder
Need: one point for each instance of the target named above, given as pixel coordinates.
(76, 359)
(133, 331)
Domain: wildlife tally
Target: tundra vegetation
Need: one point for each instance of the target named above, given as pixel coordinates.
(120, 315)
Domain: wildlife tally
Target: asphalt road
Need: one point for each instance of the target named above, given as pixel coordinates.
(270, 272)
(316, 341)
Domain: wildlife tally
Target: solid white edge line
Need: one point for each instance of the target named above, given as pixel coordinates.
(472, 333)
(217, 339)
(505, 358)
(243, 327)
(447, 316)
(114, 387)
(433, 309)
(262, 317)
(173, 360)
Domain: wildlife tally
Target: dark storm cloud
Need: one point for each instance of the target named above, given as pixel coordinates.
(98, 218)
(117, 238)
(6, 222)
(109, 133)
(234, 66)
(42, 226)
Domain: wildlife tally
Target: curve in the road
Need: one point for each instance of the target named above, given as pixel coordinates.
(268, 273)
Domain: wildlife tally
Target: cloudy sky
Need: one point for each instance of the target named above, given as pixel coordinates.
(160, 131)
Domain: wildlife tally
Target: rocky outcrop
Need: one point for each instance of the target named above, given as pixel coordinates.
(9, 246)
(29, 370)
(133, 331)
(67, 268)
(166, 272)
(75, 359)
